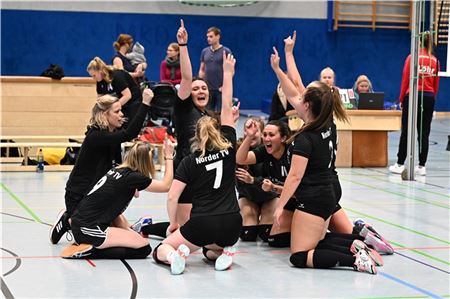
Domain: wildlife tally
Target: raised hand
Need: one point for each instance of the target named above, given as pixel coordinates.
(251, 128)
(182, 35)
(228, 63)
(168, 147)
(147, 96)
(289, 43)
(275, 59)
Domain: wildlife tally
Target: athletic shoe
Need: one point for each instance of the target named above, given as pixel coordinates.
(60, 227)
(364, 263)
(396, 168)
(358, 245)
(143, 221)
(75, 251)
(225, 260)
(379, 244)
(420, 170)
(359, 222)
(178, 262)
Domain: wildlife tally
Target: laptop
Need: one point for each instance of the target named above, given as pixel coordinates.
(371, 101)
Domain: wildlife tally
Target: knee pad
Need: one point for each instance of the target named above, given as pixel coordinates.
(280, 240)
(299, 259)
(142, 253)
(249, 233)
(155, 255)
(264, 231)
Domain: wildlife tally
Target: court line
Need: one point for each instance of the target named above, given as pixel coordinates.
(395, 193)
(16, 257)
(5, 290)
(21, 203)
(25, 218)
(426, 248)
(407, 284)
(133, 279)
(398, 226)
(400, 184)
(423, 263)
(423, 254)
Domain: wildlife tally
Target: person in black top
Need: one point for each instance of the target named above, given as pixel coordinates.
(111, 80)
(276, 158)
(256, 205)
(190, 106)
(215, 221)
(99, 152)
(280, 105)
(310, 180)
(98, 225)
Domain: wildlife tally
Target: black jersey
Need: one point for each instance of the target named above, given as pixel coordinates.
(109, 197)
(186, 116)
(100, 151)
(212, 179)
(276, 170)
(319, 148)
(120, 80)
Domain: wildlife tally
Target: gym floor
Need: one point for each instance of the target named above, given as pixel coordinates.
(412, 215)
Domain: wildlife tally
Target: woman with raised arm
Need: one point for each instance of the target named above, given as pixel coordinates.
(215, 221)
(98, 225)
(99, 152)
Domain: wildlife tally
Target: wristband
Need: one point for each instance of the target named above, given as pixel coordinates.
(182, 45)
(168, 158)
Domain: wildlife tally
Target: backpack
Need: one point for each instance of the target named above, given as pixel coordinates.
(54, 71)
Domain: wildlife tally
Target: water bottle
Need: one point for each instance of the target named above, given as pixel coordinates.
(40, 161)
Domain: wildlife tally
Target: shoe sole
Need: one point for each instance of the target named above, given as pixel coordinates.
(379, 245)
(77, 251)
(373, 254)
(179, 260)
(368, 228)
(225, 260)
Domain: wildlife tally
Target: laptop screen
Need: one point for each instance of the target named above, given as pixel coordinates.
(371, 101)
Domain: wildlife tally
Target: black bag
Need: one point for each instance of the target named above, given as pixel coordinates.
(71, 154)
(54, 71)
(163, 100)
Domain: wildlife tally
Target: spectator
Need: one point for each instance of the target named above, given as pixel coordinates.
(170, 71)
(123, 45)
(362, 85)
(211, 68)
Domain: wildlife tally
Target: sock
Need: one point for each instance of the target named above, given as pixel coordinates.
(334, 247)
(117, 253)
(156, 229)
(324, 259)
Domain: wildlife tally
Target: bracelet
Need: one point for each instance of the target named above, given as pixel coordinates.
(182, 45)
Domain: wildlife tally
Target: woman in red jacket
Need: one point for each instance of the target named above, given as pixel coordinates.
(428, 86)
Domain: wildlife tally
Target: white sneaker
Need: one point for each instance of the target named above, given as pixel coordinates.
(178, 262)
(396, 168)
(420, 170)
(225, 260)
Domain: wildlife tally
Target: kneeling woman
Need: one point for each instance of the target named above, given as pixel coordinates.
(215, 221)
(98, 226)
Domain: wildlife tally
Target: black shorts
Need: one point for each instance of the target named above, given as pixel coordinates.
(317, 200)
(223, 230)
(255, 194)
(291, 205)
(94, 235)
(72, 199)
(337, 193)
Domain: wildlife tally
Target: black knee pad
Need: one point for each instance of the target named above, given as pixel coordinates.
(264, 231)
(205, 250)
(142, 253)
(155, 255)
(249, 233)
(280, 240)
(299, 259)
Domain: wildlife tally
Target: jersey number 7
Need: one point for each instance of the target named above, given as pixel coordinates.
(218, 166)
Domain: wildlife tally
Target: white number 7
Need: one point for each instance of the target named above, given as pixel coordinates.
(219, 170)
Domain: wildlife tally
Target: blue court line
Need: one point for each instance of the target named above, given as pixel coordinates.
(407, 284)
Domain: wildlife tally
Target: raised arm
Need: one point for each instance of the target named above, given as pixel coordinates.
(226, 115)
(164, 184)
(292, 71)
(185, 63)
(289, 89)
(243, 155)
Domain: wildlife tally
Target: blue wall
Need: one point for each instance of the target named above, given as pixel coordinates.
(31, 40)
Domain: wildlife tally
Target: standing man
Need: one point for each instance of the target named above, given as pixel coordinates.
(211, 67)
